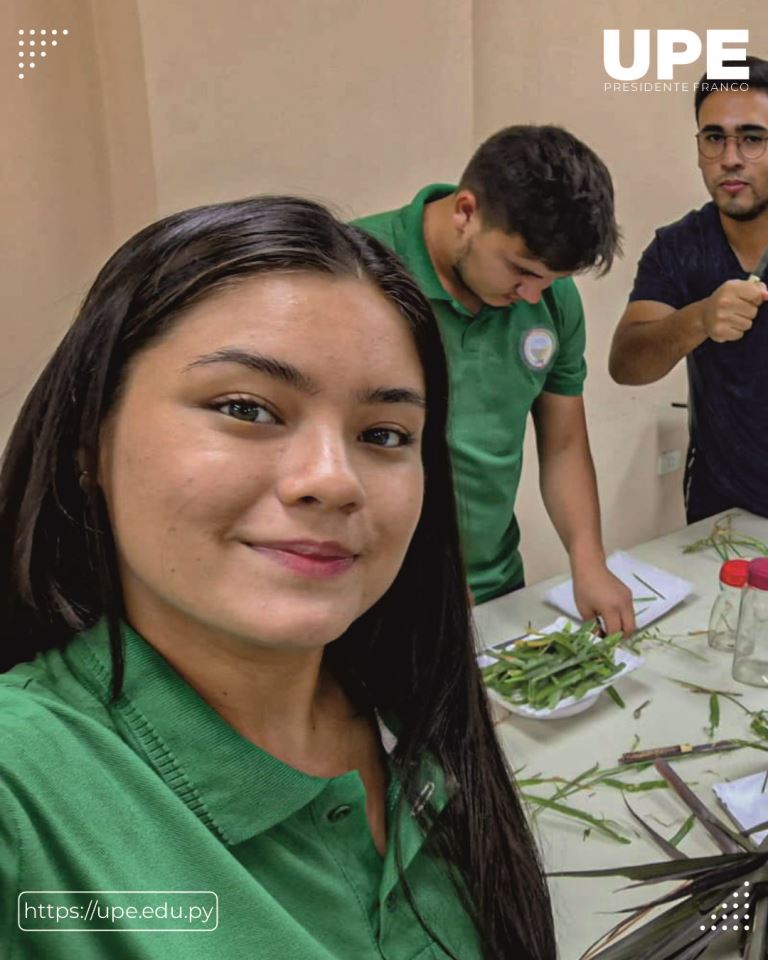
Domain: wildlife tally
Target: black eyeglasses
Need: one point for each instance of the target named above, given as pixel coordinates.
(750, 144)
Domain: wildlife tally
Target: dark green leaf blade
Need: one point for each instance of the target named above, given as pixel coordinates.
(727, 841)
(664, 870)
(665, 845)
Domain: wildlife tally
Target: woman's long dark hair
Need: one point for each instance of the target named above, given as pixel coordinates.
(412, 651)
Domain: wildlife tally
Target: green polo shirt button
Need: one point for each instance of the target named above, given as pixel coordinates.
(338, 813)
(391, 900)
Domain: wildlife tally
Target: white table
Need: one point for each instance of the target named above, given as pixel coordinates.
(569, 746)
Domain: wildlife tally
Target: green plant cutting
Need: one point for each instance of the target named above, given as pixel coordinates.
(727, 542)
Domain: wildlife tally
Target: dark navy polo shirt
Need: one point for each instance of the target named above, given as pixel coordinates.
(687, 261)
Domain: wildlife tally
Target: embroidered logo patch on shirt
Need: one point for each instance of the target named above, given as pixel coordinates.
(537, 347)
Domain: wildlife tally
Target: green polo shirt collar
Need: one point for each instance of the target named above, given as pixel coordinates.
(415, 249)
(200, 756)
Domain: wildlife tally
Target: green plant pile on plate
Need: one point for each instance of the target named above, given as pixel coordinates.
(544, 669)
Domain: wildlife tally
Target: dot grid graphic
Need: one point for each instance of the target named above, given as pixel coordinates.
(738, 919)
(34, 43)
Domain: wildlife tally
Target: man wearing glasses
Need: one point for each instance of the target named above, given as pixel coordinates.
(696, 296)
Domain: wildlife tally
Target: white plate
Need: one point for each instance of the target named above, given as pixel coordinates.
(673, 589)
(568, 706)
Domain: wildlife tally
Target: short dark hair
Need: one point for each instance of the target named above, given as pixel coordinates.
(550, 188)
(412, 652)
(758, 80)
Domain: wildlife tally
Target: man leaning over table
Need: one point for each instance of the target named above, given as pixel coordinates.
(693, 298)
(495, 256)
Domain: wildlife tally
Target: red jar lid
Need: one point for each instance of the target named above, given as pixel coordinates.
(733, 573)
(757, 575)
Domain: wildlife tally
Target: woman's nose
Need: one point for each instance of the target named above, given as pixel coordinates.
(317, 468)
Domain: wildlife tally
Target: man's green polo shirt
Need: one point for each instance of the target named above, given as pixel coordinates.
(500, 360)
(158, 793)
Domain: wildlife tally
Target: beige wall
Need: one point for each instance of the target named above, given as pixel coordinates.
(154, 105)
(124, 116)
(350, 101)
(54, 188)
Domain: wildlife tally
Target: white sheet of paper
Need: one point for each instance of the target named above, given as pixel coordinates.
(746, 802)
(628, 569)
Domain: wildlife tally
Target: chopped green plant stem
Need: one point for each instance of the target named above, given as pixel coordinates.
(649, 586)
(636, 714)
(615, 696)
(683, 832)
(714, 714)
(697, 688)
(636, 738)
(643, 599)
(641, 787)
(669, 640)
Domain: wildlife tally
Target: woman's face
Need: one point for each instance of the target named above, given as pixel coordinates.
(262, 468)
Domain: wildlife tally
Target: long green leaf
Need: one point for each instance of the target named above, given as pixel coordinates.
(664, 870)
(598, 824)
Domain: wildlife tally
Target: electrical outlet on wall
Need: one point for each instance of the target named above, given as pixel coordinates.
(670, 461)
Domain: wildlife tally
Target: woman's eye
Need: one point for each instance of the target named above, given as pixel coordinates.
(246, 410)
(386, 437)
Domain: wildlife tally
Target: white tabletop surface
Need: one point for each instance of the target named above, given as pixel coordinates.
(569, 746)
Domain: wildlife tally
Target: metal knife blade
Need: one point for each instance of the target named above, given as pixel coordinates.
(759, 271)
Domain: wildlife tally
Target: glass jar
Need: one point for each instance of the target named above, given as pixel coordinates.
(750, 657)
(725, 611)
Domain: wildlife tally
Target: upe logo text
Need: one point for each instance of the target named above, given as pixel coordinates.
(675, 48)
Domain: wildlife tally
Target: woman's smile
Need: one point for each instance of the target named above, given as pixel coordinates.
(317, 559)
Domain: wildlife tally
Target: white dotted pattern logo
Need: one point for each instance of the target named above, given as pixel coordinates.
(738, 919)
(34, 46)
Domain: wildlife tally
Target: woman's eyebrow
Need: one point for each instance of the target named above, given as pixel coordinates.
(394, 395)
(288, 373)
(261, 363)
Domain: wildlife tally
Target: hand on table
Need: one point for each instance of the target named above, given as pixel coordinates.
(598, 593)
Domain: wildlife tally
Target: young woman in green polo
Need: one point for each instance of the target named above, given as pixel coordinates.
(241, 715)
